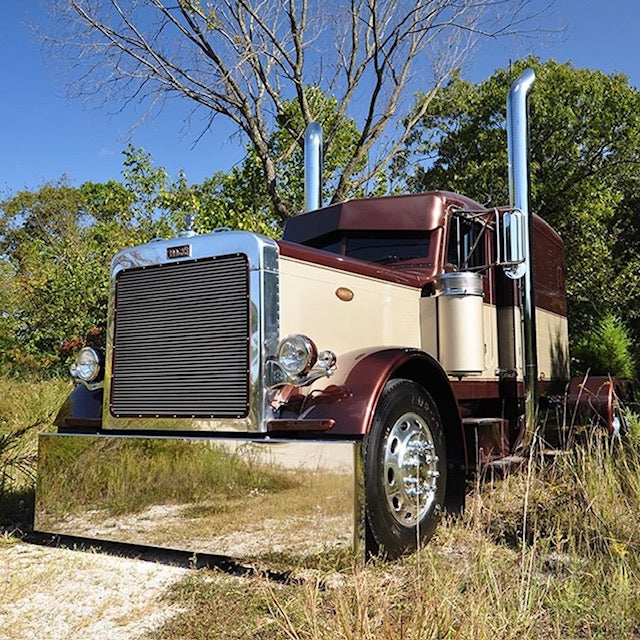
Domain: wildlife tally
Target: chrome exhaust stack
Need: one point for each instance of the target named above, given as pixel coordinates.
(518, 151)
(313, 167)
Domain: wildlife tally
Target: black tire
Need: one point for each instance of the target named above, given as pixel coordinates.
(405, 448)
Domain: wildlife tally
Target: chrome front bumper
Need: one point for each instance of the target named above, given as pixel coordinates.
(246, 499)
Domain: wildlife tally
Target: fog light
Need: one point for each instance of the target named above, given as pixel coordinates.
(296, 355)
(86, 366)
(327, 360)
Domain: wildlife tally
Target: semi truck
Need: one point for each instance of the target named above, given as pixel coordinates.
(332, 389)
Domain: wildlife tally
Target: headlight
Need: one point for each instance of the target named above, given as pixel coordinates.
(296, 355)
(86, 365)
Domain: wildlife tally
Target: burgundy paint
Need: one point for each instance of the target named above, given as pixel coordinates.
(548, 268)
(299, 425)
(415, 279)
(468, 389)
(593, 397)
(353, 392)
(416, 212)
(490, 439)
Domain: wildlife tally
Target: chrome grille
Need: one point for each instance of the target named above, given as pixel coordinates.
(181, 346)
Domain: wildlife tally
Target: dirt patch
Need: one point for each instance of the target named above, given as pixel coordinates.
(49, 594)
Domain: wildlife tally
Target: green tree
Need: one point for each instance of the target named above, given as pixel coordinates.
(237, 199)
(240, 198)
(585, 154)
(57, 242)
(50, 294)
(340, 138)
(606, 350)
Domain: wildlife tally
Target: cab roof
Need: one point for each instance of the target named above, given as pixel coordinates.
(416, 212)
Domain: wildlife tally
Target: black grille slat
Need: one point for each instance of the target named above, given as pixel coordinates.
(181, 343)
(157, 323)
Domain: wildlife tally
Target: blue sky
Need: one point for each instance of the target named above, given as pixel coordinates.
(45, 135)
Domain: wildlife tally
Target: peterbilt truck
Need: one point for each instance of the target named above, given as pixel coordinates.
(333, 388)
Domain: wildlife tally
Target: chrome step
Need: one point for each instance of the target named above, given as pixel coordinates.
(487, 440)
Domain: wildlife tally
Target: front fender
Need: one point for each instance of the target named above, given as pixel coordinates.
(81, 411)
(351, 396)
(350, 400)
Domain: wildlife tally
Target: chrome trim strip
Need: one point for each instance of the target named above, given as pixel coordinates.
(243, 498)
(262, 254)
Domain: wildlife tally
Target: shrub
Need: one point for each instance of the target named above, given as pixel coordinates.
(606, 350)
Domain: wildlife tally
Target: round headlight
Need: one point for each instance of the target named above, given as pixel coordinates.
(327, 360)
(86, 365)
(297, 354)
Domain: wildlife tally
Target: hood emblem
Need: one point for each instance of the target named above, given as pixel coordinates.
(182, 251)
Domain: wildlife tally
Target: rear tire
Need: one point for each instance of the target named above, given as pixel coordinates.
(405, 470)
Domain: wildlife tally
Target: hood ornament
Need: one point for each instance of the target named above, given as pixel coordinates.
(189, 222)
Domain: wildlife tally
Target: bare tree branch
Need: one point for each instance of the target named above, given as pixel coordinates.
(243, 59)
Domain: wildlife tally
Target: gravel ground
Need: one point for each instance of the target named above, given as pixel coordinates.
(59, 594)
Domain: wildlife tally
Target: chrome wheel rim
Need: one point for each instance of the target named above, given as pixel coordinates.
(410, 469)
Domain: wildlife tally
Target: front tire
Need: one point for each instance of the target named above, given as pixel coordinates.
(405, 469)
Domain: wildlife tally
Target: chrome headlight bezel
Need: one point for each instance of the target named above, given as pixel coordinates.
(298, 363)
(87, 366)
(296, 355)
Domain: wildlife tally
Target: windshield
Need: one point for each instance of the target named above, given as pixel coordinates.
(377, 246)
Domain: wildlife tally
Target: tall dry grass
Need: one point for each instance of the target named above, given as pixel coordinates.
(551, 552)
(27, 407)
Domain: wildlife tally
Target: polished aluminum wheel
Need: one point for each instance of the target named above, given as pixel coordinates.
(410, 469)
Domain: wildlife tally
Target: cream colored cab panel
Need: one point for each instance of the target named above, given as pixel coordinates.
(490, 341)
(553, 346)
(429, 325)
(378, 314)
(510, 340)
(430, 328)
(552, 337)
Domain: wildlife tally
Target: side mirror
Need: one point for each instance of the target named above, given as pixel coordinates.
(511, 244)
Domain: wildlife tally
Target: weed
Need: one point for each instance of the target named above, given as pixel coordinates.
(607, 349)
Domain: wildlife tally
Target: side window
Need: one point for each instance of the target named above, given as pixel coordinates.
(466, 247)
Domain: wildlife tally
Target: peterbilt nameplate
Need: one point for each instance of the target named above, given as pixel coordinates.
(183, 251)
(245, 499)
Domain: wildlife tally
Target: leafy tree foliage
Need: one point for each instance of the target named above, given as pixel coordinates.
(56, 245)
(244, 188)
(585, 155)
(340, 138)
(236, 200)
(240, 198)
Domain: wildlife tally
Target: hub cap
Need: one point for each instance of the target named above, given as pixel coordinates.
(410, 469)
